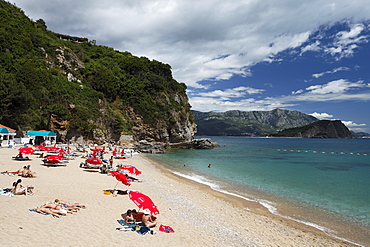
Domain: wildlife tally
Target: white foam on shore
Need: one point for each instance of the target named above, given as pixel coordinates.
(267, 204)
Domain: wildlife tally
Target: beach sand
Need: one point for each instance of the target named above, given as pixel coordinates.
(198, 215)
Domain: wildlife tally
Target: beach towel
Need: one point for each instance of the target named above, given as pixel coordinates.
(166, 229)
(143, 230)
(33, 210)
(125, 224)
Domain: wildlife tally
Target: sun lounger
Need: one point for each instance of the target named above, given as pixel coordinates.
(54, 164)
(21, 159)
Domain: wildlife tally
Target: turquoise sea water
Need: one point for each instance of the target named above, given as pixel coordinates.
(319, 182)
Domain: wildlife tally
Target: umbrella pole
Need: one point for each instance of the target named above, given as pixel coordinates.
(115, 186)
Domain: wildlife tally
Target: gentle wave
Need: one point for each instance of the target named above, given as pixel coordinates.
(266, 204)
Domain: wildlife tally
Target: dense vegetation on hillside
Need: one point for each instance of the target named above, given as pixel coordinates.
(75, 84)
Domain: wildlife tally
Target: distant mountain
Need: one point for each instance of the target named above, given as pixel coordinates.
(252, 123)
(360, 134)
(319, 129)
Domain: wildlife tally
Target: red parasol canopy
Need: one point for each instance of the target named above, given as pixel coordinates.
(26, 150)
(131, 169)
(49, 148)
(94, 161)
(121, 177)
(54, 157)
(143, 201)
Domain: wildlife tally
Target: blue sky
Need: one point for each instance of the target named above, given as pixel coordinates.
(310, 56)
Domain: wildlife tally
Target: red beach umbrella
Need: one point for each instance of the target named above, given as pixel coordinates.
(49, 149)
(94, 161)
(131, 169)
(26, 150)
(121, 177)
(143, 201)
(54, 157)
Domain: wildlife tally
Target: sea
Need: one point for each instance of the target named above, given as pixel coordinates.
(323, 183)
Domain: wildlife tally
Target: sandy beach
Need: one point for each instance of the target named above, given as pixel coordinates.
(199, 216)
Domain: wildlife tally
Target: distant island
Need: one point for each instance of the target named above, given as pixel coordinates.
(319, 129)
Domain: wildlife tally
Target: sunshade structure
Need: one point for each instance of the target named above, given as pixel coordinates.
(6, 136)
(120, 177)
(94, 161)
(39, 136)
(131, 169)
(26, 150)
(4, 131)
(50, 149)
(143, 201)
(53, 159)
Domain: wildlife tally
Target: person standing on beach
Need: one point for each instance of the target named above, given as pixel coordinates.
(111, 162)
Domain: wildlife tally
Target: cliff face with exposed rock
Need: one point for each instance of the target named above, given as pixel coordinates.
(319, 129)
(251, 123)
(86, 92)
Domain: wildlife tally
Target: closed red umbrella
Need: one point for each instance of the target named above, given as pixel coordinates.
(120, 177)
(26, 150)
(94, 161)
(143, 201)
(131, 169)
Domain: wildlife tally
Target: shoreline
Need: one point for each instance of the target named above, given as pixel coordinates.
(199, 216)
(265, 208)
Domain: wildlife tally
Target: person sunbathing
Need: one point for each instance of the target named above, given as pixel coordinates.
(132, 179)
(15, 172)
(28, 173)
(129, 217)
(58, 208)
(19, 189)
(49, 211)
(148, 219)
(19, 155)
(69, 204)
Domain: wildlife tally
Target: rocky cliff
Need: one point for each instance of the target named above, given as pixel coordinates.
(319, 129)
(252, 123)
(83, 91)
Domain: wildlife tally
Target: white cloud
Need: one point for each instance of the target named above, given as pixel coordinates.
(351, 124)
(321, 115)
(222, 100)
(336, 87)
(237, 92)
(331, 72)
(194, 35)
(347, 41)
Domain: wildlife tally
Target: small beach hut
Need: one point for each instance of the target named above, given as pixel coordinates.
(41, 136)
(6, 136)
